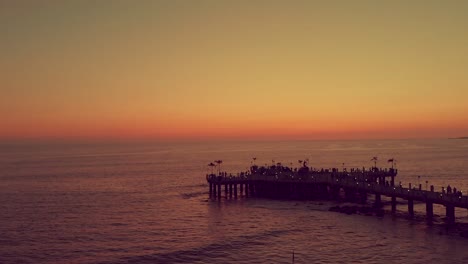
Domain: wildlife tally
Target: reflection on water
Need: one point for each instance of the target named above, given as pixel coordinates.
(148, 203)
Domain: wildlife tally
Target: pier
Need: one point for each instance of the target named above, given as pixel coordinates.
(280, 182)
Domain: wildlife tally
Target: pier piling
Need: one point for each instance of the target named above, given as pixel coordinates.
(378, 201)
(411, 207)
(363, 197)
(450, 213)
(429, 210)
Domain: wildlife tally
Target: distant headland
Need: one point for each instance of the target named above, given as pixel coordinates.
(459, 138)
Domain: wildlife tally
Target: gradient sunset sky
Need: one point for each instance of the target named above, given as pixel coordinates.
(233, 69)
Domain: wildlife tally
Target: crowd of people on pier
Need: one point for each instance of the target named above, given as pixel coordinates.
(280, 171)
(450, 190)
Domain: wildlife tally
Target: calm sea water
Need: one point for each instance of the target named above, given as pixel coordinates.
(148, 203)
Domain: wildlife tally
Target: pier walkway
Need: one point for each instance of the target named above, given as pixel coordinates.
(302, 183)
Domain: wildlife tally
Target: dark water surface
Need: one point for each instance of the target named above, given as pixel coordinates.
(148, 203)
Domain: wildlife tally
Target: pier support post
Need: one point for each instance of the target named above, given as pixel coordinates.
(225, 190)
(311, 191)
(261, 189)
(294, 190)
(411, 207)
(363, 196)
(241, 186)
(219, 190)
(378, 201)
(252, 189)
(429, 210)
(450, 213)
(272, 191)
(211, 189)
(349, 194)
(335, 192)
(393, 204)
(300, 191)
(324, 190)
(230, 190)
(235, 190)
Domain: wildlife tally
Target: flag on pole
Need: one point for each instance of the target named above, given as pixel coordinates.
(390, 160)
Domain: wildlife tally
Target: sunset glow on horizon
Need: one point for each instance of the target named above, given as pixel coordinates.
(233, 69)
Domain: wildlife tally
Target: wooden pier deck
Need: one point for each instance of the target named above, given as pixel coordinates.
(356, 184)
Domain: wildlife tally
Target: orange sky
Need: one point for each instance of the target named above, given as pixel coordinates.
(242, 69)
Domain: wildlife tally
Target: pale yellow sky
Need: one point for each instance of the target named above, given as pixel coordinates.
(191, 69)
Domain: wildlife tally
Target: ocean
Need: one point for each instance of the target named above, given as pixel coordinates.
(148, 202)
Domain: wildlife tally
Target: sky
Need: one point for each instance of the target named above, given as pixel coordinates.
(181, 69)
